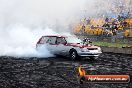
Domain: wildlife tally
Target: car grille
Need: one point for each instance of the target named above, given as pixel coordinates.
(92, 48)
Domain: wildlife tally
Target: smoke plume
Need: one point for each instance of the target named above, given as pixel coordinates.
(23, 22)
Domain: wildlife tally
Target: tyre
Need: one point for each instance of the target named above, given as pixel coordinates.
(73, 55)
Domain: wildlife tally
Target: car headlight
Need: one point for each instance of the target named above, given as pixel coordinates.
(84, 49)
(99, 49)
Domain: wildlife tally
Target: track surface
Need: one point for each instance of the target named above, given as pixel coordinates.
(59, 72)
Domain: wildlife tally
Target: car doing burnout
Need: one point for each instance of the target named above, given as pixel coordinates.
(69, 46)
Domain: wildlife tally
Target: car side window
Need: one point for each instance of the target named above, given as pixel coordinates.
(51, 40)
(43, 40)
(61, 40)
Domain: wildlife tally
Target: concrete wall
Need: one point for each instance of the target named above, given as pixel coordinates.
(117, 50)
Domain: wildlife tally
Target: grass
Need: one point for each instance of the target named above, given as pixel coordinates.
(119, 45)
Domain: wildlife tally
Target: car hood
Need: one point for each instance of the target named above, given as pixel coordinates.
(82, 45)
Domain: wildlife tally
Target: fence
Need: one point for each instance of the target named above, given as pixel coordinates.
(113, 39)
(117, 50)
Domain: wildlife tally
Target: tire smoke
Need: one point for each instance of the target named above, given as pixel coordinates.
(23, 22)
(21, 41)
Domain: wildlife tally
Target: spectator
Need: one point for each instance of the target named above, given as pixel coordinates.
(114, 32)
(106, 25)
(124, 23)
(106, 19)
(120, 18)
(86, 41)
(115, 22)
(92, 27)
(83, 29)
(114, 27)
(88, 21)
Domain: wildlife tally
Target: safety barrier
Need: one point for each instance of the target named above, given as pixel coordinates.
(117, 50)
(113, 39)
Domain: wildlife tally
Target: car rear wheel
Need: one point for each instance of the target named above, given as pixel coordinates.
(73, 55)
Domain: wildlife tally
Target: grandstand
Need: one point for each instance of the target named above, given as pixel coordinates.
(99, 26)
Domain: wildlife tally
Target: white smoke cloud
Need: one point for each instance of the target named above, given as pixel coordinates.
(40, 12)
(18, 40)
(23, 22)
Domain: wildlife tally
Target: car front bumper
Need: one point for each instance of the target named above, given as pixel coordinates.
(85, 54)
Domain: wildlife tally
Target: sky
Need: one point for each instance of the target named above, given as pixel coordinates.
(41, 12)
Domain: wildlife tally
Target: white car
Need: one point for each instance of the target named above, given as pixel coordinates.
(69, 46)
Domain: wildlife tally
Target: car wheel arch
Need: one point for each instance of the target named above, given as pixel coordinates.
(72, 49)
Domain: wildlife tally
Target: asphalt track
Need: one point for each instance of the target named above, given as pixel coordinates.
(60, 72)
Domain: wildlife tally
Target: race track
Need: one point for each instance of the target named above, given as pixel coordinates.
(59, 72)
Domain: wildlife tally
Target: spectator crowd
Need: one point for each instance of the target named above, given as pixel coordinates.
(104, 26)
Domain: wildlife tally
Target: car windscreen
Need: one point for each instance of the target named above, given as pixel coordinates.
(43, 40)
(73, 40)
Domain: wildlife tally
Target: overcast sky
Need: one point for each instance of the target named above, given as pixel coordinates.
(41, 11)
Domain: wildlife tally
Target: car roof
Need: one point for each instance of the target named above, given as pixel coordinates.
(55, 36)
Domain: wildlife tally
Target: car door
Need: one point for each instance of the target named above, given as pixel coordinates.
(51, 44)
(61, 47)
